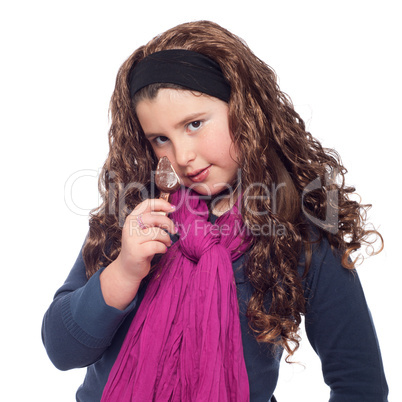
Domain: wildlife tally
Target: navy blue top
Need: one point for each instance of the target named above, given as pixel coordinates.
(81, 330)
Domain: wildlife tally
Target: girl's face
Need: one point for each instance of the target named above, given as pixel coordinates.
(192, 130)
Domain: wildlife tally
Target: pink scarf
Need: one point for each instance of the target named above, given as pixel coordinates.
(184, 343)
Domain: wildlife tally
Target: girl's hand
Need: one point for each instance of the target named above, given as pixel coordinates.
(143, 235)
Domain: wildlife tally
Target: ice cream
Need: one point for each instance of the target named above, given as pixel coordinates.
(166, 179)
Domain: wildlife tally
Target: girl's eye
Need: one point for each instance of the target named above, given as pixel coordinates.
(160, 140)
(195, 125)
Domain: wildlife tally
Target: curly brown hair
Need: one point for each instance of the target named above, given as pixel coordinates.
(263, 123)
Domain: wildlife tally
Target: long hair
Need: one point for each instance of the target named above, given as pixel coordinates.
(279, 160)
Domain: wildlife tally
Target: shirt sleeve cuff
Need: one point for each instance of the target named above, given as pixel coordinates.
(87, 316)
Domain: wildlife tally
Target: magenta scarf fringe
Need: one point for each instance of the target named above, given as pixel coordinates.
(184, 343)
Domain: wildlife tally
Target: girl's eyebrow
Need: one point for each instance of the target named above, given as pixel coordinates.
(189, 118)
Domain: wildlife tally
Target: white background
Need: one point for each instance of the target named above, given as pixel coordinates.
(340, 63)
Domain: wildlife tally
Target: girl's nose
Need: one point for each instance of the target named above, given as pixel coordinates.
(184, 154)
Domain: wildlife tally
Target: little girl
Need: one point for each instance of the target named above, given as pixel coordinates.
(195, 298)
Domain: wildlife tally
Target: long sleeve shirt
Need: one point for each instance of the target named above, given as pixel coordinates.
(81, 330)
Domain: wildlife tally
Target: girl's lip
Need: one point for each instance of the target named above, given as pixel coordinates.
(199, 175)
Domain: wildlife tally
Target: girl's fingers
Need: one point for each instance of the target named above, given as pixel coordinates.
(152, 248)
(151, 213)
(146, 232)
(154, 205)
(154, 234)
(150, 220)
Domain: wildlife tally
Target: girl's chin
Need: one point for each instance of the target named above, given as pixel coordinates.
(205, 190)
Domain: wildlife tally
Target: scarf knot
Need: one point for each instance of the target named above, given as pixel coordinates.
(198, 238)
(198, 235)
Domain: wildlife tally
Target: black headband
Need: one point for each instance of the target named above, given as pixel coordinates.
(189, 69)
